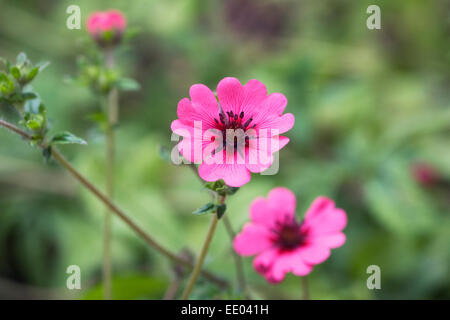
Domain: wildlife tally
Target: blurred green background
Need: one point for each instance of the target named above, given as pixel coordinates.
(369, 104)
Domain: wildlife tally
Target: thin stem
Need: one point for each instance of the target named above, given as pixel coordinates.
(112, 111)
(114, 208)
(237, 258)
(305, 295)
(171, 292)
(201, 258)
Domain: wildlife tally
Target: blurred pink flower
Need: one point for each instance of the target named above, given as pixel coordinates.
(99, 23)
(424, 174)
(284, 245)
(246, 111)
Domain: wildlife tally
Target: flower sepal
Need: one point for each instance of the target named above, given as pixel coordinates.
(221, 188)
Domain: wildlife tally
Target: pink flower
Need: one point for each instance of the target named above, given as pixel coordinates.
(109, 23)
(234, 134)
(424, 174)
(284, 245)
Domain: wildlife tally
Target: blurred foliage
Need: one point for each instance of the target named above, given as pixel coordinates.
(368, 105)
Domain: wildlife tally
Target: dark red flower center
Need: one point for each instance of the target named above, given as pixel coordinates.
(288, 234)
(230, 121)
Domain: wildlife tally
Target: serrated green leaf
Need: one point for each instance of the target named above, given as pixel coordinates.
(207, 208)
(66, 138)
(15, 72)
(32, 74)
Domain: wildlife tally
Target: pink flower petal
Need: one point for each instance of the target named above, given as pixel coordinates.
(204, 100)
(287, 262)
(279, 206)
(264, 261)
(259, 167)
(256, 94)
(330, 222)
(257, 160)
(324, 218)
(193, 143)
(231, 94)
(105, 21)
(281, 141)
(260, 213)
(314, 254)
(117, 19)
(331, 241)
(235, 97)
(271, 107)
(267, 145)
(252, 240)
(234, 175)
(189, 114)
(283, 200)
(275, 125)
(319, 205)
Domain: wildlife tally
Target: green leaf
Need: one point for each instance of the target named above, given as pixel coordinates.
(15, 72)
(66, 138)
(221, 210)
(6, 84)
(29, 95)
(127, 84)
(32, 74)
(207, 208)
(42, 65)
(34, 124)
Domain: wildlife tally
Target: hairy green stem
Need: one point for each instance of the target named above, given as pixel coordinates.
(112, 113)
(198, 266)
(114, 208)
(305, 295)
(237, 258)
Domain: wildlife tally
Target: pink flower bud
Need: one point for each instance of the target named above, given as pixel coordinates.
(106, 27)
